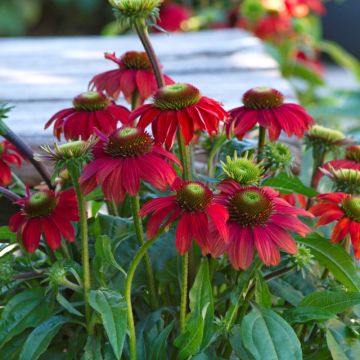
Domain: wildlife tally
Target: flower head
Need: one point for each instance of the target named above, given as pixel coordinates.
(123, 159)
(134, 77)
(347, 180)
(353, 153)
(130, 11)
(276, 156)
(172, 17)
(243, 170)
(266, 107)
(45, 212)
(345, 210)
(200, 217)
(9, 155)
(179, 107)
(90, 110)
(259, 218)
(323, 138)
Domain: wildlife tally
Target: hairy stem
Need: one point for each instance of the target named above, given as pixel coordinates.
(28, 153)
(261, 140)
(75, 174)
(135, 205)
(130, 275)
(141, 29)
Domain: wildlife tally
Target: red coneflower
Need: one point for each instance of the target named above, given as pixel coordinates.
(301, 8)
(293, 198)
(200, 217)
(45, 212)
(172, 16)
(259, 218)
(91, 110)
(351, 161)
(9, 155)
(265, 106)
(134, 76)
(123, 159)
(343, 208)
(180, 105)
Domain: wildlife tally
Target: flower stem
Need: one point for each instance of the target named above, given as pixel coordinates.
(135, 205)
(75, 173)
(130, 275)
(9, 135)
(9, 194)
(141, 29)
(261, 140)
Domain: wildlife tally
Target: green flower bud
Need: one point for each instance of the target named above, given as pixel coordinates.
(276, 156)
(242, 170)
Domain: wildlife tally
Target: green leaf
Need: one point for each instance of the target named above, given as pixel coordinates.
(199, 325)
(40, 338)
(236, 344)
(112, 308)
(27, 309)
(67, 305)
(286, 184)
(303, 314)
(334, 258)
(286, 291)
(262, 292)
(92, 349)
(159, 346)
(114, 226)
(341, 56)
(7, 234)
(266, 335)
(104, 251)
(12, 349)
(332, 301)
(342, 344)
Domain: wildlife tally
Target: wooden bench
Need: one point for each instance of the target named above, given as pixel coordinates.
(40, 76)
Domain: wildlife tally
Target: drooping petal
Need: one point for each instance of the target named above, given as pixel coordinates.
(183, 234)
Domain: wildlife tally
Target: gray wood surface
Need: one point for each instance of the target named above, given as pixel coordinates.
(40, 76)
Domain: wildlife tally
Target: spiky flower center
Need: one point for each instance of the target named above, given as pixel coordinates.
(40, 204)
(324, 135)
(352, 153)
(136, 60)
(90, 101)
(193, 196)
(280, 153)
(73, 149)
(351, 207)
(262, 98)
(242, 170)
(128, 142)
(176, 97)
(250, 207)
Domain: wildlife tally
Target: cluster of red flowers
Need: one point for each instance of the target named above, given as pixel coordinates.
(236, 219)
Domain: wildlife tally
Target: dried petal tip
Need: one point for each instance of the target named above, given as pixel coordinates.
(176, 97)
(351, 207)
(128, 141)
(250, 206)
(136, 60)
(262, 98)
(320, 135)
(353, 153)
(276, 156)
(40, 204)
(129, 11)
(242, 170)
(193, 196)
(90, 101)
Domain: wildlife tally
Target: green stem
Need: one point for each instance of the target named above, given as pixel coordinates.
(130, 275)
(84, 244)
(135, 205)
(261, 140)
(184, 157)
(214, 151)
(18, 182)
(141, 29)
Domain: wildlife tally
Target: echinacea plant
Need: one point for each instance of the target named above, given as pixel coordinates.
(128, 251)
